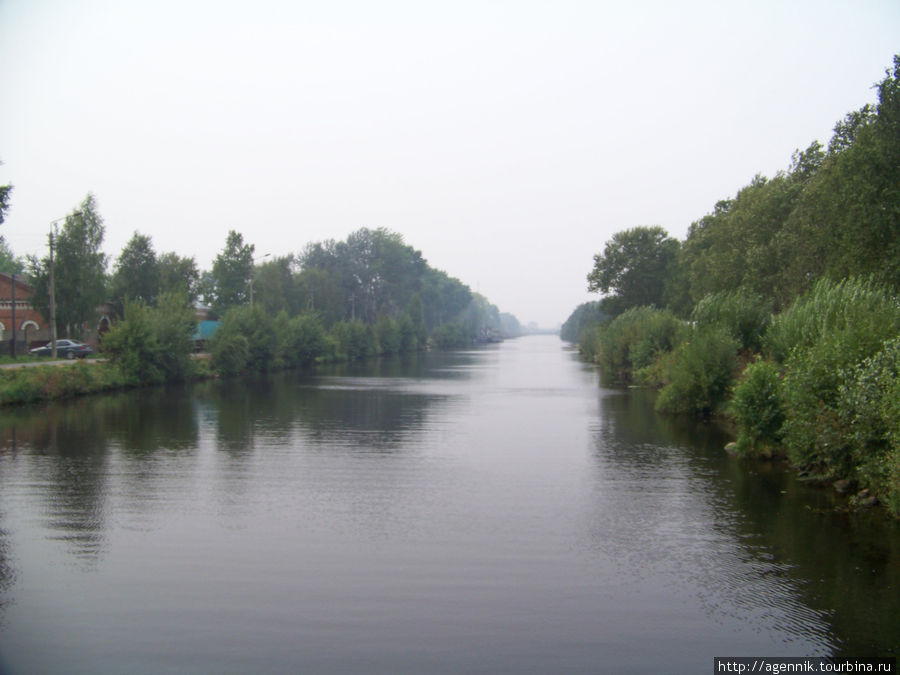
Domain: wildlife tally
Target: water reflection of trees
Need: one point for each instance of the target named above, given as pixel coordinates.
(123, 457)
(840, 565)
(66, 448)
(370, 405)
(143, 420)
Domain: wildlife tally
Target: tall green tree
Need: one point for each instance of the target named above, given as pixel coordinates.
(231, 273)
(415, 313)
(371, 274)
(848, 219)
(9, 262)
(834, 214)
(274, 286)
(4, 201)
(320, 291)
(444, 298)
(179, 275)
(136, 276)
(80, 271)
(737, 245)
(635, 268)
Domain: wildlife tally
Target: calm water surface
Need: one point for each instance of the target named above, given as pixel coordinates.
(494, 510)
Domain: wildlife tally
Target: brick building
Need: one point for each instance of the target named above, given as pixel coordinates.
(31, 328)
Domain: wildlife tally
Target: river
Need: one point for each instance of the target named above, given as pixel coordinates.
(491, 510)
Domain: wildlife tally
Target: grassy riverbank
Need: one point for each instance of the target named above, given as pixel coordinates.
(152, 345)
(48, 382)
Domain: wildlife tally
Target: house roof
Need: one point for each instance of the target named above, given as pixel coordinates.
(21, 280)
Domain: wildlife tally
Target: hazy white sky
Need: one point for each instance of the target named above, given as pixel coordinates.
(506, 140)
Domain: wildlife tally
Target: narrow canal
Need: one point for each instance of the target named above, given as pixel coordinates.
(493, 510)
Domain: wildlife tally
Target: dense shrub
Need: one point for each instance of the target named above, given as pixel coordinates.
(355, 339)
(589, 341)
(230, 353)
(132, 345)
(176, 324)
(812, 432)
(865, 311)
(409, 336)
(869, 409)
(257, 327)
(744, 314)
(152, 344)
(388, 335)
(634, 340)
(699, 373)
(758, 408)
(586, 314)
(305, 341)
(824, 337)
(451, 335)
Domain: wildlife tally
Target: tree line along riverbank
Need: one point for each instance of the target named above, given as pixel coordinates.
(370, 295)
(154, 345)
(779, 309)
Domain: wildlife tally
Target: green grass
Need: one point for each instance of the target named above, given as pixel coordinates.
(40, 383)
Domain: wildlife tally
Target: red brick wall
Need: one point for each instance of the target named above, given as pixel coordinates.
(24, 313)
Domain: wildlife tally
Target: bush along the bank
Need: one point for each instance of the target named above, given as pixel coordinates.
(699, 373)
(629, 347)
(153, 344)
(355, 340)
(301, 340)
(858, 312)
(821, 340)
(869, 404)
(451, 336)
(823, 391)
(745, 315)
(250, 340)
(245, 341)
(758, 409)
(828, 395)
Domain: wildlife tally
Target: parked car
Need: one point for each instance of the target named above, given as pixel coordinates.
(65, 349)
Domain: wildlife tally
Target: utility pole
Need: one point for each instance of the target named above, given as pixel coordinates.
(13, 350)
(52, 304)
(53, 286)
